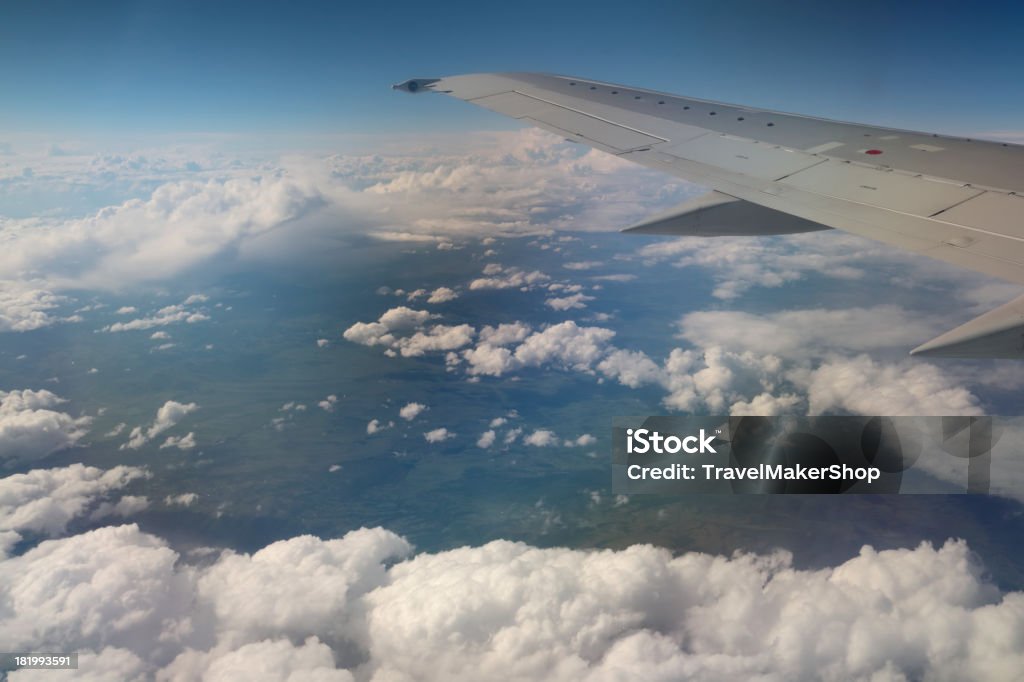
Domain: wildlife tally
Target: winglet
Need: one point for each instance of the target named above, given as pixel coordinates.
(998, 333)
(415, 85)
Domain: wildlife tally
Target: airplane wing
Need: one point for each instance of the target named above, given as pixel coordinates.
(954, 199)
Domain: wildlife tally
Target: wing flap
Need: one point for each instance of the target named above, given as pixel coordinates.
(719, 215)
(993, 212)
(512, 104)
(877, 187)
(998, 333)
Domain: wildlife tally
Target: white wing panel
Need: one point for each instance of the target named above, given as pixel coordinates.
(743, 156)
(572, 124)
(882, 188)
(512, 104)
(991, 212)
(578, 125)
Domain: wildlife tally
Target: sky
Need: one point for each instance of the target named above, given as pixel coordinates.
(326, 67)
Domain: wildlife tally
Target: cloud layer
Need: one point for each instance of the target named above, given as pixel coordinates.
(43, 501)
(364, 607)
(811, 361)
(30, 427)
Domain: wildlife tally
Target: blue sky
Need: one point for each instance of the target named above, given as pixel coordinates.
(168, 67)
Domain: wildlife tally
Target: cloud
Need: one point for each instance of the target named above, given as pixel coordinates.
(765, 405)
(365, 605)
(581, 441)
(778, 362)
(438, 435)
(576, 301)
(565, 345)
(111, 587)
(189, 208)
(523, 182)
(583, 265)
(740, 263)
(505, 334)
(437, 338)
(442, 295)
(489, 360)
(411, 410)
(401, 317)
(186, 442)
(630, 368)
(31, 429)
(43, 501)
(171, 314)
(167, 416)
(24, 308)
(402, 329)
(328, 403)
(180, 225)
(126, 506)
(800, 333)
(541, 438)
(501, 277)
(568, 288)
(322, 343)
(314, 583)
(376, 425)
(614, 278)
(278, 659)
(486, 439)
(862, 385)
(183, 500)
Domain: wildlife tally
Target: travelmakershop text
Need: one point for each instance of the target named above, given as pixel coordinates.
(761, 472)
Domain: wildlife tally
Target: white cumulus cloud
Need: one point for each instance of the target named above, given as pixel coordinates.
(167, 416)
(411, 410)
(438, 435)
(442, 295)
(541, 438)
(31, 429)
(44, 500)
